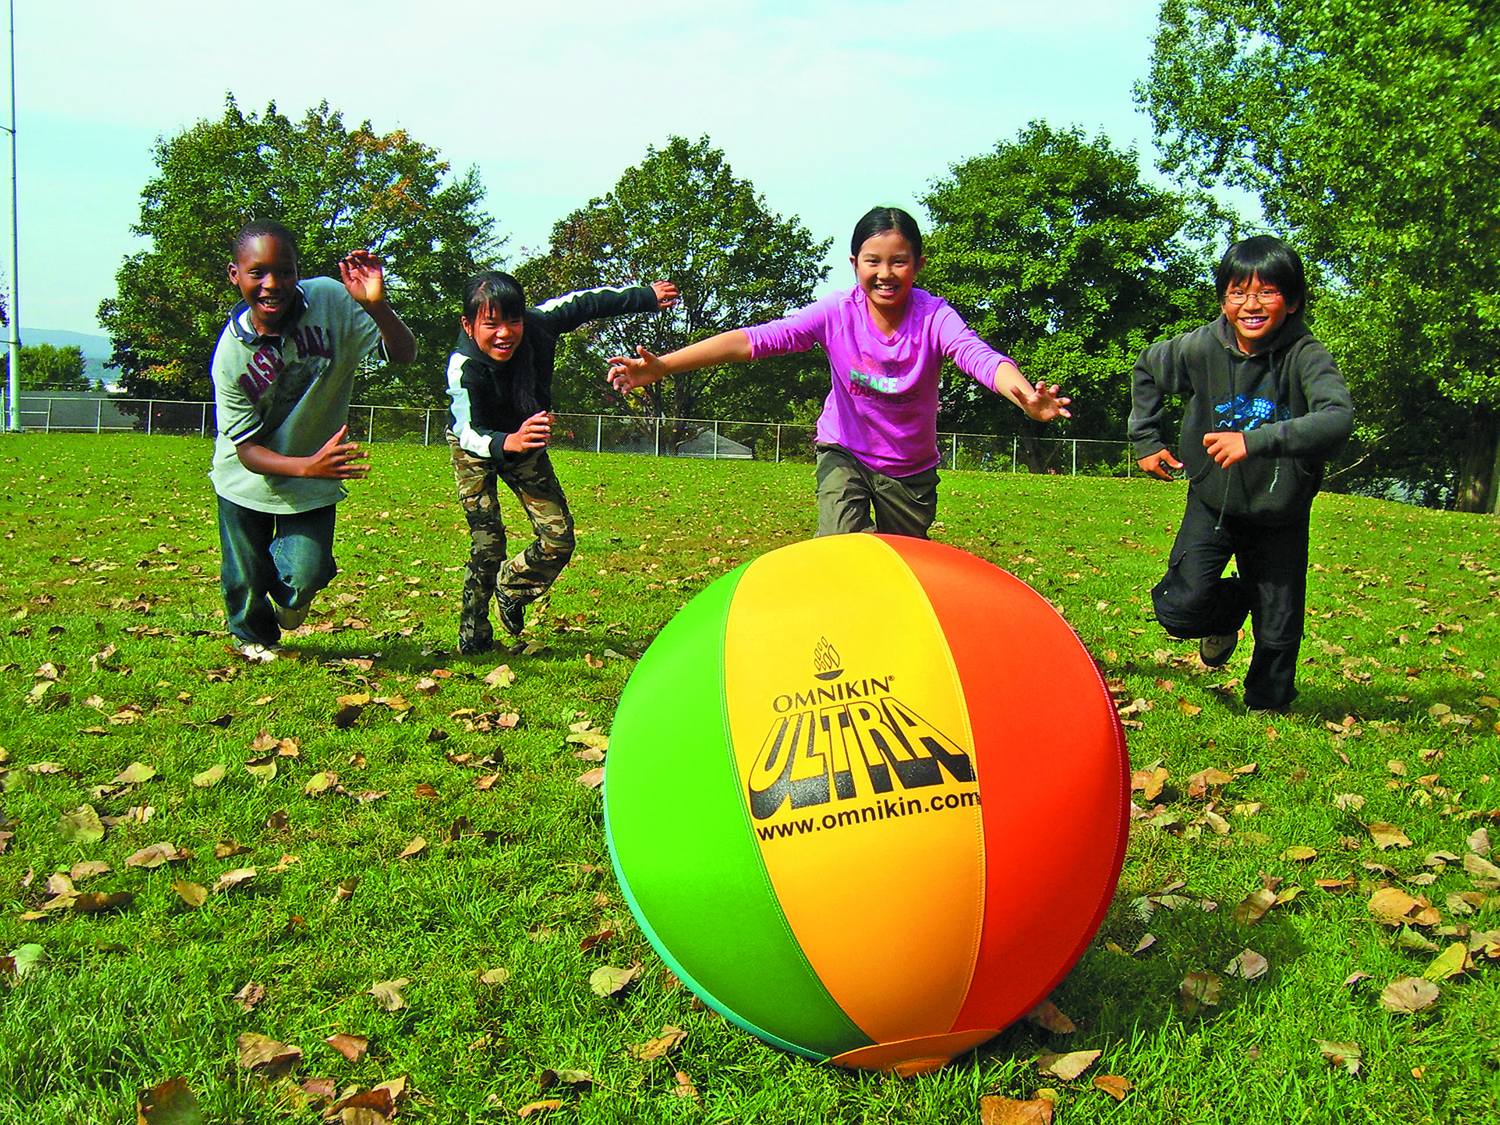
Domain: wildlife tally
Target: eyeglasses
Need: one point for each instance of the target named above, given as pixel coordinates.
(1268, 295)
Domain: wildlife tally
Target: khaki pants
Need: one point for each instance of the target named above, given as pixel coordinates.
(848, 491)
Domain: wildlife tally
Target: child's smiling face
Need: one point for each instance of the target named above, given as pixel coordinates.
(265, 271)
(885, 269)
(1255, 311)
(495, 334)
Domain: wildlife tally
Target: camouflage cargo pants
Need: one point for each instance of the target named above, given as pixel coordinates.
(525, 577)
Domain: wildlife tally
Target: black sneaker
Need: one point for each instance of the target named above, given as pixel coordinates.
(1215, 651)
(512, 614)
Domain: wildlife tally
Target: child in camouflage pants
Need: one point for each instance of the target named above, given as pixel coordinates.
(500, 384)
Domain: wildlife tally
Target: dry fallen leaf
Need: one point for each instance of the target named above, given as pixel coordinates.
(137, 773)
(194, 894)
(416, 847)
(609, 980)
(1388, 836)
(352, 1047)
(158, 854)
(235, 878)
(683, 1087)
(1049, 1016)
(1068, 1066)
(1449, 963)
(1248, 964)
(593, 778)
(171, 1103)
(1006, 1111)
(1200, 990)
(1346, 1055)
(669, 1040)
(1116, 1086)
(1253, 907)
(539, 1107)
(1391, 904)
(1409, 995)
(387, 994)
(260, 1052)
(249, 996)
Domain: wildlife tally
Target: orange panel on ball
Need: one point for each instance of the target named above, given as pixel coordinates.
(855, 756)
(1052, 762)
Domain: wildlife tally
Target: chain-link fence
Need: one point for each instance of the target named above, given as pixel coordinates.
(590, 433)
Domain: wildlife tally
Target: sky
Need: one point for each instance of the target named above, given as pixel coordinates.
(828, 107)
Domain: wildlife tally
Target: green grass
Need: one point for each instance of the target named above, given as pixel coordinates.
(111, 540)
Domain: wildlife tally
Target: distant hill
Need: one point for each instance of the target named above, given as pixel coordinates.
(96, 349)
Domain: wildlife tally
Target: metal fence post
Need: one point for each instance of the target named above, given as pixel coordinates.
(1075, 457)
(716, 439)
(1012, 455)
(598, 433)
(98, 415)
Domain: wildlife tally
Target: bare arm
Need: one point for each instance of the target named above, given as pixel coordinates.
(629, 372)
(337, 460)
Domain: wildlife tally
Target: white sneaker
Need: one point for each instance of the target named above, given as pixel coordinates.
(289, 618)
(258, 654)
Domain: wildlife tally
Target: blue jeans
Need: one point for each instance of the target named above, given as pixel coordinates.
(289, 557)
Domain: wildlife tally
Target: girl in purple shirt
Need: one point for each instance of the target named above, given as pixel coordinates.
(886, 341)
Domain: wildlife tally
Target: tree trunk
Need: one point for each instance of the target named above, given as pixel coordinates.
(1479, 473)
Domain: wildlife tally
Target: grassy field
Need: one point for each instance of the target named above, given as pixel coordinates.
(119, 691)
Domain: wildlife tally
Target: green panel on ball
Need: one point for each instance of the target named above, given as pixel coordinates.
(684, 849)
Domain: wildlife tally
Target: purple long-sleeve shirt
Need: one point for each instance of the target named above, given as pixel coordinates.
(883, 405)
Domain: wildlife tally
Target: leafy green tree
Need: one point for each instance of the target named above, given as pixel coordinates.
(1058, 255)
(340, 189)
(681, 215)
(45, 367)
(1371, 135)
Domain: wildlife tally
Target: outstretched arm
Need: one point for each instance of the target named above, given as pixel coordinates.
(337, 460)
(1040, 402)
(629, 372)
(363, 275)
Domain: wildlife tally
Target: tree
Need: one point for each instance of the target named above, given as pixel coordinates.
(340, 189)
(682, 215)
(1371, 134)
(48, 368)
(1058, 255)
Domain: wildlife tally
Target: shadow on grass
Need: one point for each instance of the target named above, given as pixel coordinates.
(1113, 996)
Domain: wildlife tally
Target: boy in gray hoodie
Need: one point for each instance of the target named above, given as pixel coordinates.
(1264, 404)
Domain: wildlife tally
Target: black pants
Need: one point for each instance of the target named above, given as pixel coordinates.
(1194, 599)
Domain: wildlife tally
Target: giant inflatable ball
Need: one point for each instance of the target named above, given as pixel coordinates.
(866, 796)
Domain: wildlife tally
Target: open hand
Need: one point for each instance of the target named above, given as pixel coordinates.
(363, 274)
(666, 294)
(1043, 402)
(338, 459)
(627, 373)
